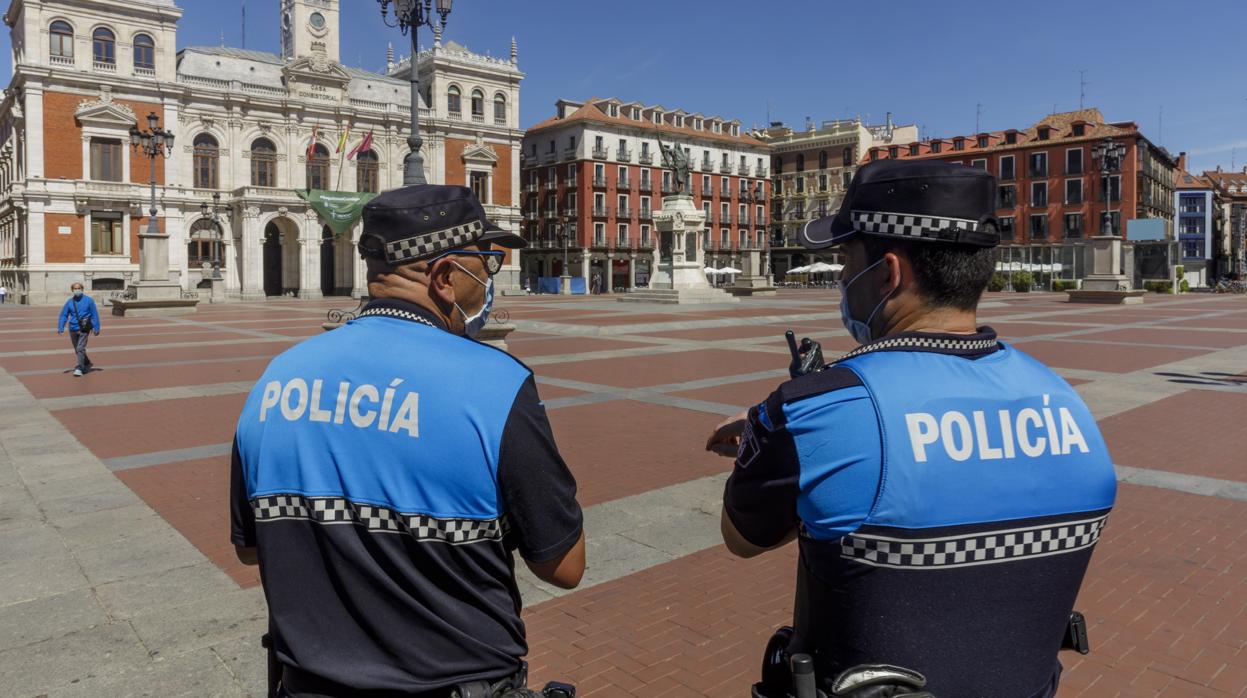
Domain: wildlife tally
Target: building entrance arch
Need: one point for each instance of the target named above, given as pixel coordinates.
(281, 257)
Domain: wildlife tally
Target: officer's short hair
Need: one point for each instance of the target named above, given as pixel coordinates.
(948, 275)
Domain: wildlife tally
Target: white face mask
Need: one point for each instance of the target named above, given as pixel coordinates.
(473, 324)
(860, 330)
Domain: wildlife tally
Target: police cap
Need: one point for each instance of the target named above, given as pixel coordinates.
(912, 200)
(425, 220)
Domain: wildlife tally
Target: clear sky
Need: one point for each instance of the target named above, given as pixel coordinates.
(1173, 67)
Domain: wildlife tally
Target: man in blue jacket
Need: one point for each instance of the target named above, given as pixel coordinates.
(80, 313)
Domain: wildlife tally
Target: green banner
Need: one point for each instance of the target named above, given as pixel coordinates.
(339, 209)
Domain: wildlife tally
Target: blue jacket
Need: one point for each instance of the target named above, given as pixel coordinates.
(85, 307)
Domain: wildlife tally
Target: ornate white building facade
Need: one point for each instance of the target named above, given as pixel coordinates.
(73, 194)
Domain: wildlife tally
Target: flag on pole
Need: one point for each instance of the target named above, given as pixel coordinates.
(311, 146)
(364, 145)
(346, 133)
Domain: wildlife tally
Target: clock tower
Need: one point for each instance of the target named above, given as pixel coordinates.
(309, 29)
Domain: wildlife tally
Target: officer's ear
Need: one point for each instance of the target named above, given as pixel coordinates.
(897, 266)
(440, 287)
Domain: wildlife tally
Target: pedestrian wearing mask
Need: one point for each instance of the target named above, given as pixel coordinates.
(83, 319)
(384, 473)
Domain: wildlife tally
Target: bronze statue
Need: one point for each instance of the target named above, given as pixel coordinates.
(673, 156)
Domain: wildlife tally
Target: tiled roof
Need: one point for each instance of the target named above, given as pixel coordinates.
(1233, 182)
(1061, 130)
(592, 112)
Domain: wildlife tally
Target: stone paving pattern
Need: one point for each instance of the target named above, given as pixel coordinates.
(117, 576)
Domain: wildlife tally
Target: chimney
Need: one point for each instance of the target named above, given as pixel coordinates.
(1182, 161)
(889, 124)
(389, 59)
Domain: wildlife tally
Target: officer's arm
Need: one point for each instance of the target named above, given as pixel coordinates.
(760, 497)
(242, 517)
(539, 494)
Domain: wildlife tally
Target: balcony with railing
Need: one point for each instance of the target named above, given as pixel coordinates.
(478, 118)
(707, 165)
(726, 167)
(570, 181)
(599, 182)
(725, 193)
(623, 184)
(552, 182)
(645, 214)
(645, 158)
(623, 213)
(549, 212)
(601, 152)
(645, 185)
(759, 171)
(569, 154)
(623, 155)
(528, 161)
(601, 211)
(549, 157)
(707, 194)
(669, 188)
(531, 215)
(62, 60)
(106, 66)
(530, 188)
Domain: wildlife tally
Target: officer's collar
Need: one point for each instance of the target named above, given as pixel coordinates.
(403, 310)
(970, 346)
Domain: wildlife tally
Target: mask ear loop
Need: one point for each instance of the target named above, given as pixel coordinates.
(883, 300)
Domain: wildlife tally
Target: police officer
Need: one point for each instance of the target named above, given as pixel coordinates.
(946, 489)
(383, 473)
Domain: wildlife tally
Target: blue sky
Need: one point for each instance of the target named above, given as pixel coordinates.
(927, 62)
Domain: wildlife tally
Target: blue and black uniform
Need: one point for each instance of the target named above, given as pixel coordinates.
(948, 491)
(386, 471)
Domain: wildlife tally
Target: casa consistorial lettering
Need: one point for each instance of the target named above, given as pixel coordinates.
(362, 406)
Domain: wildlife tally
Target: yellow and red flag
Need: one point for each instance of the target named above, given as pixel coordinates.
(346, 133)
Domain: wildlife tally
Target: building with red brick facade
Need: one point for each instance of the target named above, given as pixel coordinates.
(595, 170)
(250, 126)
(1050, 190)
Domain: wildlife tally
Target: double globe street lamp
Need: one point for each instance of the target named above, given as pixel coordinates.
(153, 143)
(211, 212)
(1109, 154)
(409, 16)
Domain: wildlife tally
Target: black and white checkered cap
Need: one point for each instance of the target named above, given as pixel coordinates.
(915, 200)
(425, 220)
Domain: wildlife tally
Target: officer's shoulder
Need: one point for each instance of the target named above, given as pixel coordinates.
(489, 352)
(828, 380)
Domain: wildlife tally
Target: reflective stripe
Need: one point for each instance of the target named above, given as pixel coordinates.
(337, 510)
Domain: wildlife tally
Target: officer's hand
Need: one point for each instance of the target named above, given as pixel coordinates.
(60, 331)
(725, 440)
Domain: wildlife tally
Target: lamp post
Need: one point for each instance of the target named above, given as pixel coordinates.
(565, 279)
(410, 15)
(1109, 154)
(210, 212)
(153, 143)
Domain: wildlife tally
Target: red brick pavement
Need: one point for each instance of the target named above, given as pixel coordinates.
(110, 380)
(162, 425)
(661, 369)
(1196, 432)
(1103, 357)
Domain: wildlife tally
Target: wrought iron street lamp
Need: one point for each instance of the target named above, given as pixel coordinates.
(1109, 154)
(210, 212)
(153, 143)
(409, 16)
(565, 286)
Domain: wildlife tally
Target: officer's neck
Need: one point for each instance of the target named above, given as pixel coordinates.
(913, 315)
(410, 291)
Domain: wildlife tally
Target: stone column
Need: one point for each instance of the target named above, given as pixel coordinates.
(632, 272)
(360, 286)
(586, 270)
(251, 256)
(309, 256)
(608, 273)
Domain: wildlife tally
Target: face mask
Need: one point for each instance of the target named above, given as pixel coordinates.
(860, 330)
(472, 324)
(77, 293)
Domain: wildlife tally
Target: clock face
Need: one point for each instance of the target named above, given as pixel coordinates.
(317, 20)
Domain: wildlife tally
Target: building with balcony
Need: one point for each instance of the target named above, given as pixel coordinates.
(810, 170)
(1230, 253)
(1051, 195)
(73, 195)
(1199, 223)
(599, 162)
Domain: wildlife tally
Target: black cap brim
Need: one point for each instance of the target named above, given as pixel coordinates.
(503, 238)
(821, 233)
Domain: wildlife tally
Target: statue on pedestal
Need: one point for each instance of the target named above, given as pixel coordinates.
(673, 156)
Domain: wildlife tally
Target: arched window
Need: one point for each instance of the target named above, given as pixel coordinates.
(62, 40)
(263, 163)
(144, 52)
(366, 172)
(204, 244)
(500, 109)
(104, 45)
(452, 100)
(207, 158)
(848, 157)
(318, 168)
(822, 159)
(800, 162)
(478, 104)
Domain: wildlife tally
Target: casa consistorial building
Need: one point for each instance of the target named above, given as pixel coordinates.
(252, 131)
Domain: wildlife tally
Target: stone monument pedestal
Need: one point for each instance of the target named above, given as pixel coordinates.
(1106, 283)
(154, 294)
(679, 275)
(751, 282)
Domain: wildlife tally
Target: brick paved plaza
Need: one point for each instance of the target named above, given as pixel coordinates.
(117, 576)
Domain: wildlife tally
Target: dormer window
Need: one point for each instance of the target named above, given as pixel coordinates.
(614, 110)
(1044, 132)
(1011, 137)
(1080, 129)
(658, 117)
(982, 141)
(959, 144)
(893, 151)
(913, 148)
(935, 146)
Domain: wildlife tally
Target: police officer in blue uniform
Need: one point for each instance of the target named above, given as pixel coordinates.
(384, 472)
(946, 489)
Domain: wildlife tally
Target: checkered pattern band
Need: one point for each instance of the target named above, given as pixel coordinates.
(904, 224)
(400, 314)
(984, 548)
(427, 244)
(947, 344)
(337, 510)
